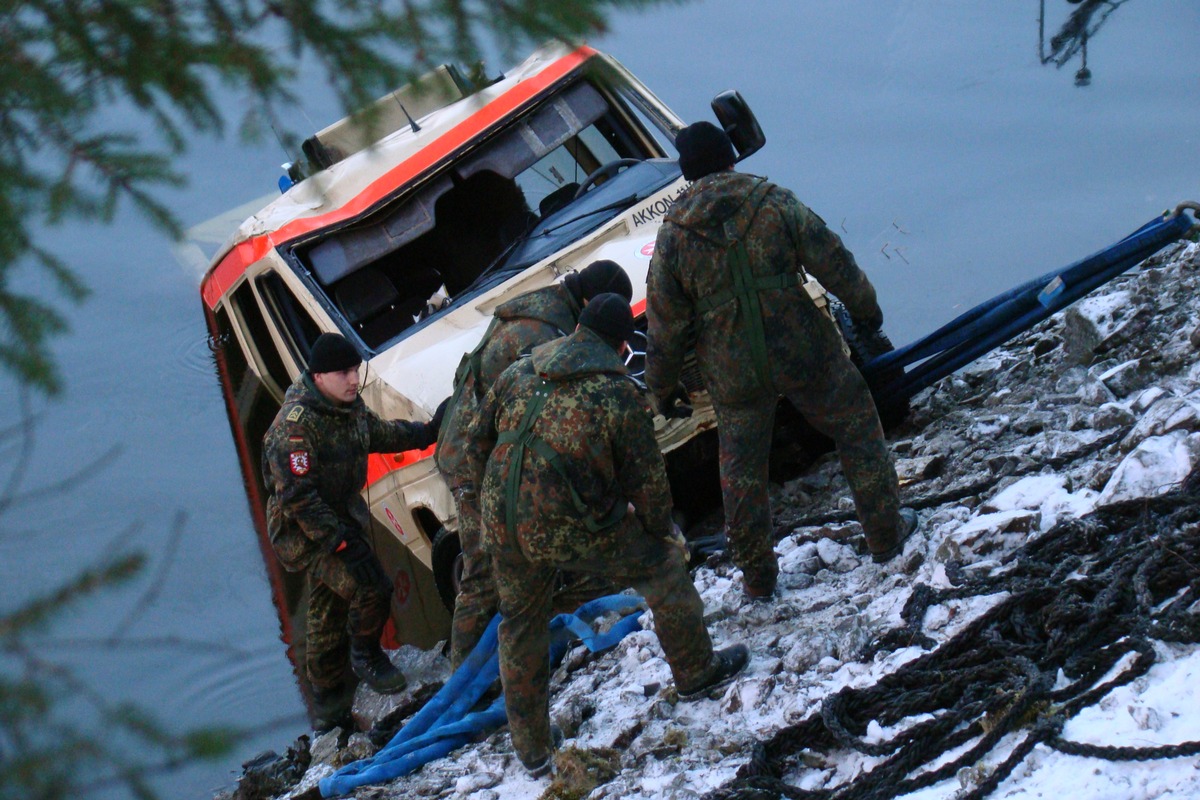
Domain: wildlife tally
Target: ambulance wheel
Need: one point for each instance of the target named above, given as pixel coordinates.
(447, 566)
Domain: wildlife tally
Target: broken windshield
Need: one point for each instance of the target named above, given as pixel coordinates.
(530, 190)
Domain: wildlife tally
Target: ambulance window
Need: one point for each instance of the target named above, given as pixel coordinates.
(226, 343)
(260, 336)
(297, 327)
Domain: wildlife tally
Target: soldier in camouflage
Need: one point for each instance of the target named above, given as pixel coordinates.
(519, 324)
(572, 479)
(729, 266)
(314, 468)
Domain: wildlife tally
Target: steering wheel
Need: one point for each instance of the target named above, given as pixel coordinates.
(604, 171)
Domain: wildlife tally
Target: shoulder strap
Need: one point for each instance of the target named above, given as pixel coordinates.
(469, 367)
(747, 288)
(522, 439)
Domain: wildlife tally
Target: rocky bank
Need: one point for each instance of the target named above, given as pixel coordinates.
(1096, 408)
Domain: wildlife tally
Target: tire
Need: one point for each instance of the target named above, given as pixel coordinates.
(447, 566)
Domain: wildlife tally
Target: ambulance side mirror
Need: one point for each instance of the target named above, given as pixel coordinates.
(739, 122)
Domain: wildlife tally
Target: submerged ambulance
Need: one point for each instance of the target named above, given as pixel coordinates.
(403, 229)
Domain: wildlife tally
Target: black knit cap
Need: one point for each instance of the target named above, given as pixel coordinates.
(608, 314)
(332, 353)
(703, 149)
(603, 276)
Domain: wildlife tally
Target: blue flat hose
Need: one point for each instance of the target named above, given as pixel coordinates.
(444, 724)
(1010, 313)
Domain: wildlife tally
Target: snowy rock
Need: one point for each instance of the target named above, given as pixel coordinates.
(1089, 322)
(920, 468)
(836, 557)
(324, 748)
(987, 532)
(1147, 719)
(426, 671)
(1123, 379)
(1148, 398)
(1169, 414)
(1080, 336)
(1110, 416)
(1095, 393)
(1156, 465)
(805, 559)
(477, 781)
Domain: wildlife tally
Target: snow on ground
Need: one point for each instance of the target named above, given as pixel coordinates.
(1095, 405)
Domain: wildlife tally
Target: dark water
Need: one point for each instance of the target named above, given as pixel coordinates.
(931, 135)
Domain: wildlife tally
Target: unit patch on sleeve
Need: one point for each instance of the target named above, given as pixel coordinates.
(295, 414)
(299, 462)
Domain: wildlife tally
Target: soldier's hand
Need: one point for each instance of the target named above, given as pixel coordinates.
(676, 405)
(363, 566)
(435, 422)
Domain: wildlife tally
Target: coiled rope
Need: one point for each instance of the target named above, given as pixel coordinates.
(1090, 595)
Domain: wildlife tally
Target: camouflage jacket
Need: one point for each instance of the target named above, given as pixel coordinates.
(523, 322)
(314, 467)
(692, 282)
(596, 423)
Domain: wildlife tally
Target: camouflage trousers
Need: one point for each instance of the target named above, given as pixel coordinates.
(338, 608)
(835, 400)
(651, 567)
(477, 601)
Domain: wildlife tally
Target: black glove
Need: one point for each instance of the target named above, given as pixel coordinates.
(362, 564)
(875, 321)
(435, 422)
(676, 405)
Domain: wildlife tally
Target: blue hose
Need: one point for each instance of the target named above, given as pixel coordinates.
(1010, 313)
(444, 724)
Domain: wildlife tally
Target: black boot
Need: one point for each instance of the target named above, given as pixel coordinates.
(370, 664)
(727, 664)
(331, 708)
(911, 522)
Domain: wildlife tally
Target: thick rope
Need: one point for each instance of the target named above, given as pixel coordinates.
(1078, 599)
